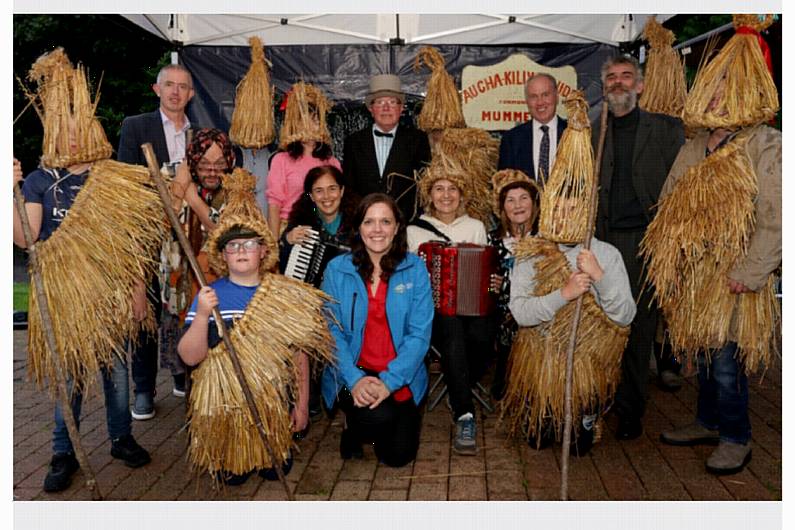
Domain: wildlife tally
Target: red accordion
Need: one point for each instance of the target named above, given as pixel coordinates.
(461, 277)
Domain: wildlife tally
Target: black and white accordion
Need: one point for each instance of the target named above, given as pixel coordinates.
(308, 260)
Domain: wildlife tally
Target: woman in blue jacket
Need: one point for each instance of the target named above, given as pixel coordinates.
(383, 314)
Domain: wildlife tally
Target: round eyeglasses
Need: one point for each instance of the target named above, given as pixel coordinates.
(233, 247)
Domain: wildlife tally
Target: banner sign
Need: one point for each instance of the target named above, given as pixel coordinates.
(493, 96)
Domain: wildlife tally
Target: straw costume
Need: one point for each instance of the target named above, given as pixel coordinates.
(719, 216)
(305, 116)
(534, 396)
(464, 229)
(442, 107)
(475, 150)
(252, 119)
(714, 247)
(665, 86)
(304, 122)
(102, 247)
(283, 316)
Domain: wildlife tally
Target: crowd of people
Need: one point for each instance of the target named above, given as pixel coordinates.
(380, 305)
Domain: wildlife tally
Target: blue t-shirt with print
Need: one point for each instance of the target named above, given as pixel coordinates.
(55, 190)
(232, 302)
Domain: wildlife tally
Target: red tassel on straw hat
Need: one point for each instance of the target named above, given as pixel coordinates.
(745, 30)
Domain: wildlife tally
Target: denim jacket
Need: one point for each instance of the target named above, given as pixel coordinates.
(409, 311)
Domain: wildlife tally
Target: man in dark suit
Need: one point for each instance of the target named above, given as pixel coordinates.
(384, 157)
(640, 148)
(531, 147)
(165, 129)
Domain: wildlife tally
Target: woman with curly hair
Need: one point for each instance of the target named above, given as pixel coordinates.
(325, 207)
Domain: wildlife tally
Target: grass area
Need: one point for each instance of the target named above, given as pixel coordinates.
(21, 296)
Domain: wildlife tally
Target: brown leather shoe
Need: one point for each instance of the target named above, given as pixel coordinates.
(729, 458)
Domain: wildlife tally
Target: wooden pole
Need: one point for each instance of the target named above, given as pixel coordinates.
(154, 172)
(567, 415)
(52, 348)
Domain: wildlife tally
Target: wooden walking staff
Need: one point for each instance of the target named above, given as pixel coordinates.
(567, 420)
(151, 161)
(46, 322)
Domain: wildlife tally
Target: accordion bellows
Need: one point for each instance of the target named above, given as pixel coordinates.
(534, 394)
(89, 265)
(283, 317)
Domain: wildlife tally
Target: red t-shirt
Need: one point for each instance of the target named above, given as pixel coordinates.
(377, 347)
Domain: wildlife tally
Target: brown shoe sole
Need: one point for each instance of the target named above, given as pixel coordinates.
(731, 470)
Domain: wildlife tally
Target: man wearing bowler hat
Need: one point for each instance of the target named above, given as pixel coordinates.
(383, 157)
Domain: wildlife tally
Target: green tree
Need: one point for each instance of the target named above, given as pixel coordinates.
(121, 60)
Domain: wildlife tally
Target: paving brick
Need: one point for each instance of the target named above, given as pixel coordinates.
(503, 469)
(467, 488)
(387, 495)
(427, 492)
(388, 478)
(358, 469)
(317, 480)
(351, 490)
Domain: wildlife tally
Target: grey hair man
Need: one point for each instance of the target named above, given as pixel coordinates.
(640, 148)
(531, 147)
(166, 129)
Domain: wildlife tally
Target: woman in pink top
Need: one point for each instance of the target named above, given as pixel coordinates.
(305, 144)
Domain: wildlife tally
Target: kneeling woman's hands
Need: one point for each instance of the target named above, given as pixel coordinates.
(369, 392)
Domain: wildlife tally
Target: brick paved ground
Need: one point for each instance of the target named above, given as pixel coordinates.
(641, 469)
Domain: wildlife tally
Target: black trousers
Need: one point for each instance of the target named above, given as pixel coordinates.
(466, 345)
(630, 401)
(393, 427)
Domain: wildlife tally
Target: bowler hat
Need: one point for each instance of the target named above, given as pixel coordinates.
(384, 85)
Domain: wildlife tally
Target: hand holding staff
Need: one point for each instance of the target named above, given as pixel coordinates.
(46, 320)
(219, 322)
(564, 457)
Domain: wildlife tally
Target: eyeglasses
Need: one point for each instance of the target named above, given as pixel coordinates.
(218, 167)
(384, 103)
(233, 247)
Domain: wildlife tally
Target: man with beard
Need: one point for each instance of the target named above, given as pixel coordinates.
(640, 148)
(198, 199)
(166, 129)
(531, 147)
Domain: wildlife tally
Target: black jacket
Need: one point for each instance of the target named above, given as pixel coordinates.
(516, 148)
(410, 151)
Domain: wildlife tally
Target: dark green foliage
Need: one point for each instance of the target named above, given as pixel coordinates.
(124, 57)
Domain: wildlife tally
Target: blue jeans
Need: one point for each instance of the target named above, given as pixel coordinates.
(117, 408)
(723, 395)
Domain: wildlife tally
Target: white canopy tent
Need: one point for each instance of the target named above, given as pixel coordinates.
(482, 29)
